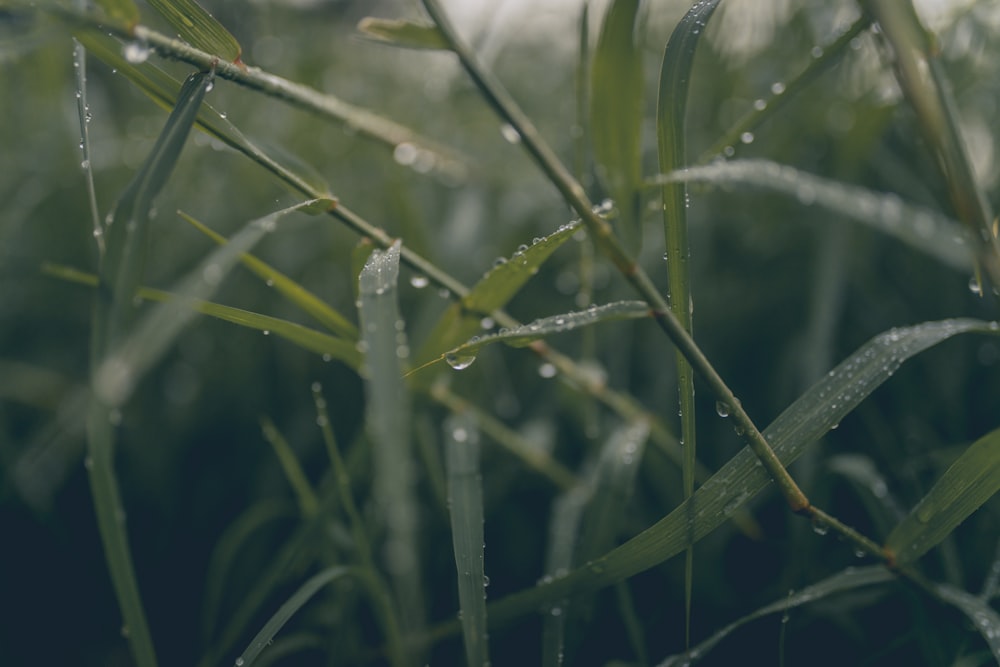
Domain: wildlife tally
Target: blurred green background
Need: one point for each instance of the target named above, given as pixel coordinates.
(782, 291)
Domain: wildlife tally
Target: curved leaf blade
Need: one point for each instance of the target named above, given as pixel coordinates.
(922, 229)
(199, 28)
(963, 488)
(402, 33)
(983, 616)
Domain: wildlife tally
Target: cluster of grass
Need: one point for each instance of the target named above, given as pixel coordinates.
(373, 396)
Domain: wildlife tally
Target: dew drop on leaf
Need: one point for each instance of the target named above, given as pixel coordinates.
(459, 361)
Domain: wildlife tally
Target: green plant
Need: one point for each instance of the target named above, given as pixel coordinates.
(569, 471)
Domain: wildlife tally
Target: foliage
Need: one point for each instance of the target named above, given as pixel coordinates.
(220, 449)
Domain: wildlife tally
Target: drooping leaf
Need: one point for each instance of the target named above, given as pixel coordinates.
(293, 291)
(119, 373)
(616, 107)
(847, 580)
(742, 477)
(462, 319)
(402, 33)
(920, 228)
(968, 483)
(547, 326)
(465, 507)
(199, 28)
(287, 610)
(983, 616)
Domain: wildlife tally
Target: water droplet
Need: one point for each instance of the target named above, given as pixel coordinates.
(419, 282)
(459, 362)
(975, 286)
(820, 528)
(547, 370)
(405, 153)
(266, 332)
(759, 105)
(510, 134)
(777, 88)
(729, 151)
(327, 357)
(486, 323)
(499, 261)
(486, 580)
(747, 137)
(136, 52)
(722, 409)
(816, 52)
(85, 164)
(239, 662)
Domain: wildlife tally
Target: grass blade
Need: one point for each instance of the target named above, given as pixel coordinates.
(199, 28)
(461, 321)
(923, 83)
(616, 107)
(741, 478)
(118, 374)
(922, 229)
(465, 505)
(287, 610)
(401, 33)
(847, 580)
(388, 420)
(461, 357)
(984, 617)
(968, 483)
(671, 112)
(291, 290)
(304, 493)
(123, 11)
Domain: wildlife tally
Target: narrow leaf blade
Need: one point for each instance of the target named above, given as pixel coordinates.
(968, 483)
(406, 34)
(199, 28)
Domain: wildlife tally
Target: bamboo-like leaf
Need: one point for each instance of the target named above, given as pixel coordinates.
(922, 229)
(402, 33)
(968, 483)
(128, 232)
(388, 423)
(293, 291)
(742, 477)
(199, 28)
(671, 130)
(304, 493)
(465, 506)
(287, 610)
(846, 580)
(461, 320)
(616, 106)
(118, 374)
(983, 616)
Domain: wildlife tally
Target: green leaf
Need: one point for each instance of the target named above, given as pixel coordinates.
(616, 107)
(465, 506)
(293, 291)
(742, 477)
(968, 483)
(462, 319)
(920, 228)
(541, 328)
(128, 232)
(199, 28)
(287, 610)
(983, 616)
(848, 579)
(388, 423)
(297, 479)
(671, 122)
(402, 33)
(124, 366)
